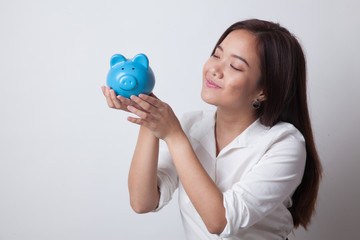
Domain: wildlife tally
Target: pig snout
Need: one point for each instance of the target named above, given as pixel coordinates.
(128, 82)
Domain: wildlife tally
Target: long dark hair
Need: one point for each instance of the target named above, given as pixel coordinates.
(283, 79)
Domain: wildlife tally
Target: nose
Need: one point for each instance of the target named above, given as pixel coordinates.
(217, 71)
(128, 82)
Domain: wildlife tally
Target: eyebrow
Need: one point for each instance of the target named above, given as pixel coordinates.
(235, 56)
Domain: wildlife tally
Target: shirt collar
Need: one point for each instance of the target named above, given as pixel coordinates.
(204, 132)
(251, 135)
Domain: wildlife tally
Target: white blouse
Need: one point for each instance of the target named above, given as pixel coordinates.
(257, 174)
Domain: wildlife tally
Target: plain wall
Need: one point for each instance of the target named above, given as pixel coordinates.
(64, 155)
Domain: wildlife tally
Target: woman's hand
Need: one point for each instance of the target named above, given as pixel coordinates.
(154, 115)
(117, 102)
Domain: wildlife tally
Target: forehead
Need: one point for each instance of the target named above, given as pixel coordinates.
(241, 42)
(240, 39)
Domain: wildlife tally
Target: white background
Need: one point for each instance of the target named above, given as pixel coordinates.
(64, 156)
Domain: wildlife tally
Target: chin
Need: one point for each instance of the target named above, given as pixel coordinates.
(208, 97)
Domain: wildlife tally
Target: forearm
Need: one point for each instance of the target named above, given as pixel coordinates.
(144, 194)
(202, 191)
(158, 117)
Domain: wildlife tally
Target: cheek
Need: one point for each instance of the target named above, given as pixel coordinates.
(206, 67)
(237, 86)
(239, 89)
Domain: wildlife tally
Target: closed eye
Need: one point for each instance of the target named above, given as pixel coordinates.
(215, 56)
(237, 69)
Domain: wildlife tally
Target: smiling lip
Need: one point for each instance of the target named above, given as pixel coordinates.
(211, 84)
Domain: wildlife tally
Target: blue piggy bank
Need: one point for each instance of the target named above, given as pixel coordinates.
(130, 76)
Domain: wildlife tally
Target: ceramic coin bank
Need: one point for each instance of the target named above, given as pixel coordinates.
(130, 76)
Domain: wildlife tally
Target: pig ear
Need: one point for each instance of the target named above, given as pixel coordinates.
(117, 58)
(141, 59)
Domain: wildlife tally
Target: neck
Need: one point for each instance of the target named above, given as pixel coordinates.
(233, 121)
(230, 124)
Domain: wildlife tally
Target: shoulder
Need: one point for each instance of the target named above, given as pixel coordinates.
(285, 131)
(284, 139)
(262, 138)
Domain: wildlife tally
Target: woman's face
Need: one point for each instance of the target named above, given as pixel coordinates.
(231, 75)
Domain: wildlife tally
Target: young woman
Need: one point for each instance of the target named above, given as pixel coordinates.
(248, 170)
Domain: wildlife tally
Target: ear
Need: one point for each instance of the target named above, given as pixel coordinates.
(261, 96)
(141, 59)
(117, 58)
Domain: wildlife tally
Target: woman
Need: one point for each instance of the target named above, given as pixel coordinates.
(250, 169)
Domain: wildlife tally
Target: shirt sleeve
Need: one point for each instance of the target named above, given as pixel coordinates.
(167, 178)
(270, 182)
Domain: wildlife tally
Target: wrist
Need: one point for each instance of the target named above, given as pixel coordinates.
(147, 133)
(175, 137)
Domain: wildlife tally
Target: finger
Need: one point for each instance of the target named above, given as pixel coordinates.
(116, 101)
(124, 100)
(153, 95)
(128, 101)
(142, 103)
(137, 121)
(107, 96)
(152, 100)
(138, 112)
(103, 89)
